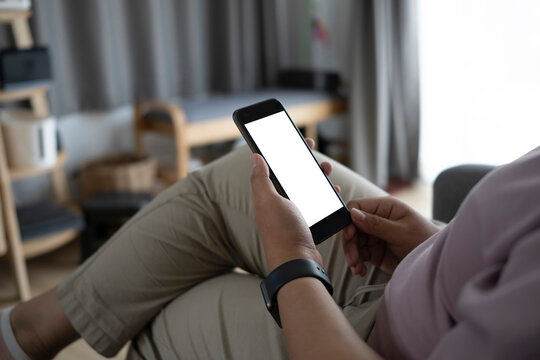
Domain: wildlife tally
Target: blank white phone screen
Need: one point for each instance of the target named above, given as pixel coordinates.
(292, 164)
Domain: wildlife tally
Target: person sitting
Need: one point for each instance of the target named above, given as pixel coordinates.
(403, 288)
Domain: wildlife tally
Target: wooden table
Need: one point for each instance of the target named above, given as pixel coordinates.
(207, 121)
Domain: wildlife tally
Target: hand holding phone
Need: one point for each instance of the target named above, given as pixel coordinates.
(283, 231)
(293, 169)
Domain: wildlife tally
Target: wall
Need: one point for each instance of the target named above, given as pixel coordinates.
(480, 82)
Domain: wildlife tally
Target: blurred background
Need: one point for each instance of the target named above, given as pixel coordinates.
(105, 103)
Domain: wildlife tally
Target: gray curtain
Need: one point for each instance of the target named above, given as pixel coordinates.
(109, 53)
(373, 45)
(384, 90)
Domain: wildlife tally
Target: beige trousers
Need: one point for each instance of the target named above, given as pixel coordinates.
(166, 279)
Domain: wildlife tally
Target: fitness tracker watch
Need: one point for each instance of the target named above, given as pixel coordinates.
(286, 272)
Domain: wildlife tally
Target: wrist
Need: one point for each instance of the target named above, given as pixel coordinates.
(276, 258)
(286, 273)
(295, 290)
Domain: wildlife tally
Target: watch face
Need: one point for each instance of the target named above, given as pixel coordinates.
(267, 299)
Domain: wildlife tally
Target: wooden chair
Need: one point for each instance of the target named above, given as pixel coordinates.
(207, 121)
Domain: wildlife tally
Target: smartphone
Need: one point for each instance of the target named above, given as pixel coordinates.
(296, 174)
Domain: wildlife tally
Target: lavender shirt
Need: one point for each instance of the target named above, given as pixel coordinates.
(472, 291)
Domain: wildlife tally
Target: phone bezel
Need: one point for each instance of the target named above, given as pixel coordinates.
(326, 227)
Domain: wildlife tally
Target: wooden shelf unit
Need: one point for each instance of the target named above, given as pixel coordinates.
(44, 244)
(17, 250)
(23, 93)
(23, 173)
(7, 16)
(37, 95)
(3, 240)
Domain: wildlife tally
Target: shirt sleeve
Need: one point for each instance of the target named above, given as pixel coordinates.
(498, 311)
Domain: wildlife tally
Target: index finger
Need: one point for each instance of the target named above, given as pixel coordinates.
(375, 205)
(311, 143)
(261, 185)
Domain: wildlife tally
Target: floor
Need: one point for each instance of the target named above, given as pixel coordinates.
(48, 270)
(418, 195)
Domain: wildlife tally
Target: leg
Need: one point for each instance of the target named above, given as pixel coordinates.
(31, 331)
(192, 231)
(197, 229)
(221, 318)
(225, 316)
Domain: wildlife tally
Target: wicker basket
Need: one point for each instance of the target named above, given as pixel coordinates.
(119, 173)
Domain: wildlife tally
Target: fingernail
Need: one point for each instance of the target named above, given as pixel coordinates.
(357, 214)
(253, 160)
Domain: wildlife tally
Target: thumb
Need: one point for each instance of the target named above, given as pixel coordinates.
(374, 225)
(261, 185)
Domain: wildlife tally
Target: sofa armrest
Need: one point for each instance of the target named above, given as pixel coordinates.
(452, 186)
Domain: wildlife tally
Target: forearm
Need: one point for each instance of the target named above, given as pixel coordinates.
(315, 327)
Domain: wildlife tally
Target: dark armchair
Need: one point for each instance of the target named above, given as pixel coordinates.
(452, 186)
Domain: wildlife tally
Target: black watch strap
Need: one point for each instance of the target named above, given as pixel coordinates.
(286, 272)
